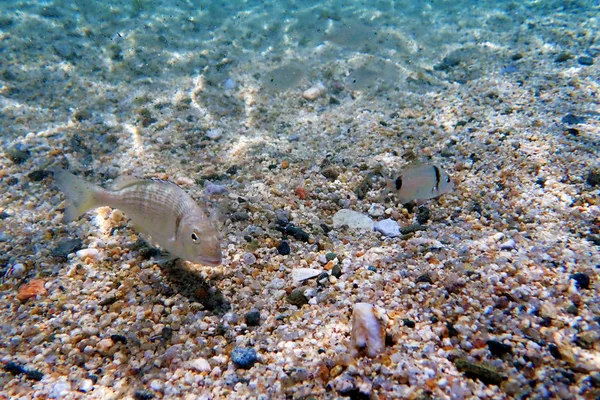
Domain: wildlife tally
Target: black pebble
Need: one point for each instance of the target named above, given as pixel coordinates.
(582, 281)
(119, 338)
(143, 395)
(66, 247)
(572, 119)
(372, 268)
(232, 170)
(14, 368)
(11, 181)
(296, 232)
(284, 248)
(585, 60)
(593, 178)
(498, 349)
(452, 332)
(253, 318)
(34, 375)
(425, 278)
(562, 57)
(553, 349)
(240, 216)
(336, 271)
(423, 215)
(18, 154)
(37, 175)
(409, 323)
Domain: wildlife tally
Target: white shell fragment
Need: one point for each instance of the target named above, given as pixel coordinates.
(353, 219)
(302, 274)
(368, 335)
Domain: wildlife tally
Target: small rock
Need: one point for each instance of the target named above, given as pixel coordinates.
(409, 323)
(593, 178)
(156, 385)
(33, 288)
(484, 373)
(85, 253)
(582, 281)
(16, 271)
(296, 232)
(585, 60)
(376, 210)
(508, 245)
(240, 216)
(143, 395)
(498, 348)
(571, 119)
(229, 84)
(252, 318)
(119, 338)
(60, 389)
(200, 365)
(297, 297)
(425, 278)
(562, 57)
(38, 175)
(18, 154)
(573, 310)
(302, 274)
(249, 259)
(330, 256)
(283, 248)
(244, 357)
(66, 247)
(336, 271)
(388, 227)
(352, 219)
(423, 215)
(314, 92)
(331, 172)
(368, 335)
(213, 189)
(86, 385)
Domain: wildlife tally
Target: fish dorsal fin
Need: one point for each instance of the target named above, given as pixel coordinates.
(124, 181)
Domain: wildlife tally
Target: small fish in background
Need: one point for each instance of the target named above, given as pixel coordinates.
(419, 183)
(156, 207)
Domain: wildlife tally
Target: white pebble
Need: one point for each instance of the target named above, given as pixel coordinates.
(60, 389)
(200, 365)
(85, 253)
(214, 134)
(184, 181)
(229, 84)
(388, 227)
(86, 385)
(508, 245)
(314, 92)
(353, 219)
(17, 271)
(376, 210)
(368, 335)
(249, 259)
(156, 385)
(302, 274)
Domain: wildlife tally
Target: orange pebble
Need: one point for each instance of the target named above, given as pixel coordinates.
(329, 265)
(34, 287)
(301, 192)
(285, 164)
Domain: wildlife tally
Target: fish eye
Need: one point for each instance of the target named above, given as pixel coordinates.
(194, 237)
(447, 179)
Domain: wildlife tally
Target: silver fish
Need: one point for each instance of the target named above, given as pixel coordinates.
(420, 183)
(156, 207)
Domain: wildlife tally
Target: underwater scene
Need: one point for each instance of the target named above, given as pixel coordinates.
(299, 199)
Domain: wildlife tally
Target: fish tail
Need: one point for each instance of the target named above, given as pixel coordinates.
(82, 195)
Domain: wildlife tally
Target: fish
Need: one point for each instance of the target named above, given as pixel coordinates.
(419, 183)
(157, 208)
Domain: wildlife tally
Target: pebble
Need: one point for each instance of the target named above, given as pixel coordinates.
(482, 372)
(17, 271)
(66, 247)
(200, 365)
(60, 389)
(249, 259)
(571, 119)
(336, 271)
(423, 215)
(314, 92)
(582, 281)
(498, 349)
(593, 178)
(252, 318)
(376, 210)
(38, 175)
(86, 385)
(297, 297)
(243, 357)
(214, 134)
(156, 385)
(85, 253)
(367, 335)
(585, 60)
(283, 248)
(302, 274)
(352, 219)
(508, 245)
(229, 84)
(33, 288)
(18, 154)
(296, 232)
(213, 189)
(388, 227)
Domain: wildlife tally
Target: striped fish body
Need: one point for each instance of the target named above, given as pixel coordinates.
(420, 183)
(157, 208)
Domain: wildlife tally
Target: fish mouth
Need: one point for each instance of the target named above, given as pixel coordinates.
(211, 262)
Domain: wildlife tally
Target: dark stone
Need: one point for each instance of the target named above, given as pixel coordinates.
(595, 239)
(423, 215)
(232, 170)
(572, 131)
(252, 318)
(336, 271)
(243, 357)
(409, 323)
(326, 229)
(82, 115)
(18, 154)
(572, 119)
(516, 56)
(333, 101)
(425, 278)
(14, 368)
(297, 297)
(553, 349)
(38, 175)
(582, 281)
(498, 348)
(240, 216)
(484, 373)
(4, 215)
(11, 181)
(323, 278)
(167, 333)
(372, 268)
(331, 172)
(562, 57)
(405, 230)
(573, 310)
(593, 178)
(66, 247)
(284, 248)
(143, 395)
(107, 301)
(34, 375)
(330, 256)
(435, 320)
(282, 217)
(585, 60)
(452, 332)
(296, 232)
(119, 339)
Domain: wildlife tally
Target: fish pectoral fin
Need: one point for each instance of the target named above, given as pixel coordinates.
(164, 257)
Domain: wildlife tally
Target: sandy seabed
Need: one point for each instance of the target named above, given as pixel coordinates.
(299, 111)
